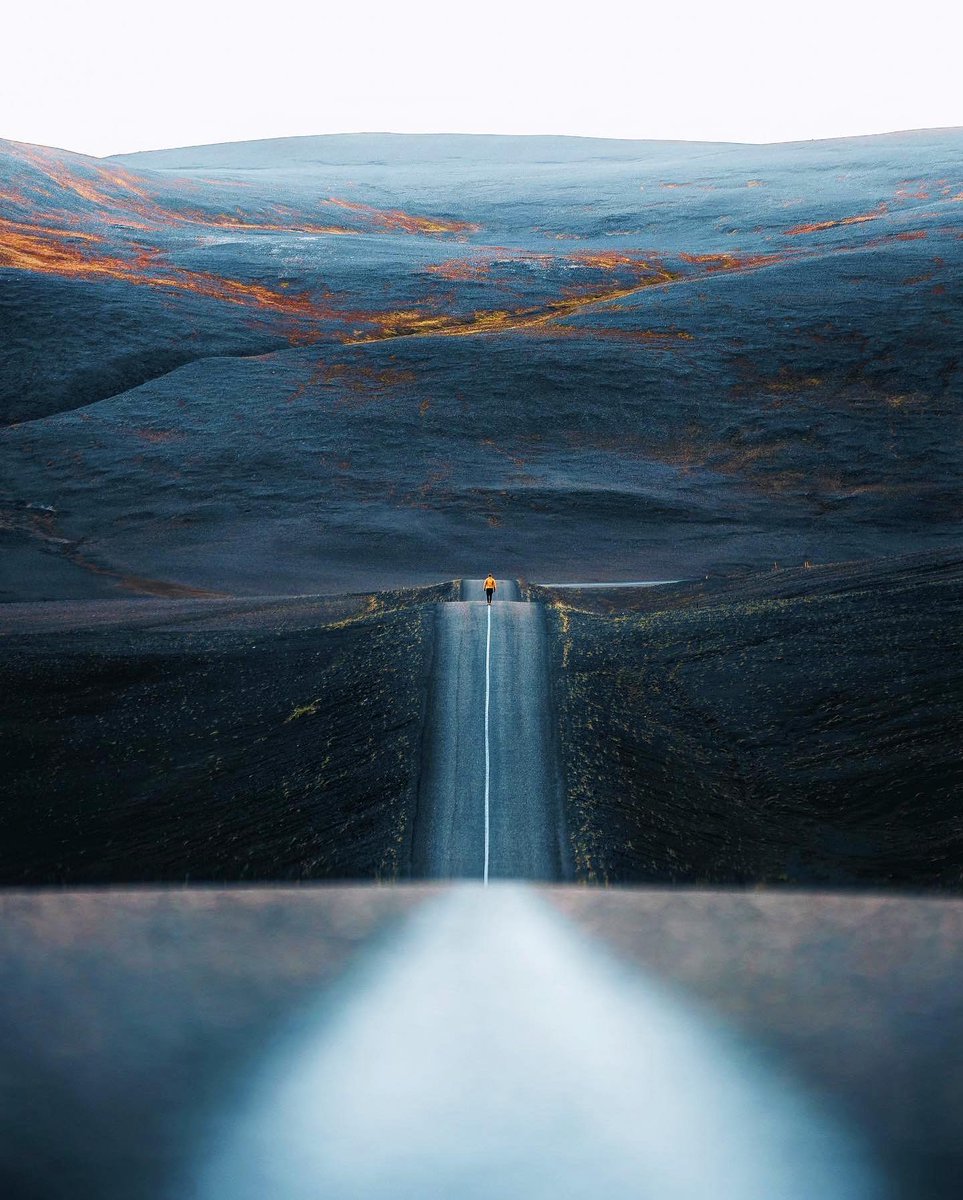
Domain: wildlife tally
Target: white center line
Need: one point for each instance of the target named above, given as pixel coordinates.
(488, 692)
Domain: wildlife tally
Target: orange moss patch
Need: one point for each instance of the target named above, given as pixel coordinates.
(732, 262)
(461, 270)
(53, 252)
(610, 260)
(903, 192)
(818, 226)
(121, 198)
(395, 219)
(909, 235)
(355, 381)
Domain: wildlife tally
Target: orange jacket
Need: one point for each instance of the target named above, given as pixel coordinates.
(490, 583)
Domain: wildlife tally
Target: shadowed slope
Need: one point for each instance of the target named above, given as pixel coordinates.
(799, 726)
(212, 740)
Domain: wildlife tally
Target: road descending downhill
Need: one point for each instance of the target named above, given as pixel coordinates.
(490, 797)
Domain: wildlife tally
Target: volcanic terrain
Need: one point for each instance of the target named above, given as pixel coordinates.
(269, 412)
(357, 362)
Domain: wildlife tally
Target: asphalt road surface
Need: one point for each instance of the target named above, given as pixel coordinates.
(429, 1042)
(474, 589)
(490, 802)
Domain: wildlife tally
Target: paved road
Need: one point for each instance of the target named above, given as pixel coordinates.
(438, 1042)
(526, 836)
(474, 589)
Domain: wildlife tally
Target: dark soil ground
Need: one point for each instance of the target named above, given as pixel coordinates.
(794, 726)
(208, 740)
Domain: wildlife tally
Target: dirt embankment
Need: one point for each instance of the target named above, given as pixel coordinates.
(793, 727)
(273, 740)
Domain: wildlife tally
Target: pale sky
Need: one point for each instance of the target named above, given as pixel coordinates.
(109, 76)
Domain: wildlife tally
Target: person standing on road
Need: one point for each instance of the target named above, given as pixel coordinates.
(490, 586)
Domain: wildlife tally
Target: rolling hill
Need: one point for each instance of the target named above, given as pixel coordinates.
(378, 360)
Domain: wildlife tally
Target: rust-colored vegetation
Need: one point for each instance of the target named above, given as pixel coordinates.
(880, 210)
(103, 222)
(713, 263)
(396, 221)
(76, 254)
(462, 270)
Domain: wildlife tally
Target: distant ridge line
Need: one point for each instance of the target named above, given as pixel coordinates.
(356, 148)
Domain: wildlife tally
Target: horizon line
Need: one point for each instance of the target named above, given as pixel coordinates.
(364, 133)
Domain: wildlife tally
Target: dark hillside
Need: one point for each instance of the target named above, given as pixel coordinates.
(337, 364)
(793, 727)
(199, 740)
(97, 344)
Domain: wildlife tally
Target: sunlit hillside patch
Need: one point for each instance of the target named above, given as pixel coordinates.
(915, 201)
(731, 261)
(116, 202)
(856, 219)
(397, 221)
(115, 196)
(572, 272)
(906, 235)
(416, 323)
(462, 270)
(78, 218)
(496, 265)
(100, 186)
(568, 284)
(103, 210)
(912, 190)
(76, 253)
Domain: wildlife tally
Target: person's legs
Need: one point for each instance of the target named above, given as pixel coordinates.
(489, 592)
